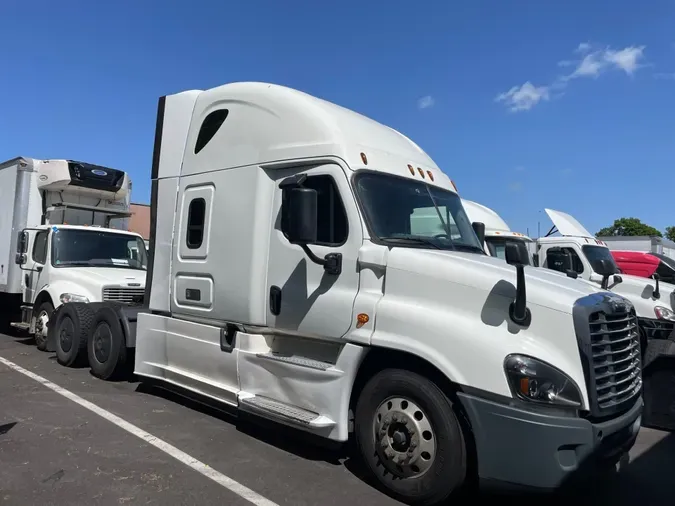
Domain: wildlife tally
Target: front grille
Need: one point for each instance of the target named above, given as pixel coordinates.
(614, 360)
(125, 295)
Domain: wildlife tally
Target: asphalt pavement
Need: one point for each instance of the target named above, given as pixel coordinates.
(69, 438)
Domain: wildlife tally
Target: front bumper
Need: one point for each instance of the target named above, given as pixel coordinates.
(535, 450)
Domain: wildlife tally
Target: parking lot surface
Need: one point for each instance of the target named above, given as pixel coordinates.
(69, 438)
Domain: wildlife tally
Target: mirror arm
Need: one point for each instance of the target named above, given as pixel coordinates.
(332, 262)
(518, 310)
(656, 293)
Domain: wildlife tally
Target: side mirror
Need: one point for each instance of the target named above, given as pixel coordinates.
(22, 243)
(513, 254)
(518, 311)
(20, 259)
(535, 260)
(479, 229)
(604, 267)
(302, 215)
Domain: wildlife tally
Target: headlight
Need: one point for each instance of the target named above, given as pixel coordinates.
(536, 381)
(663, 313)
(72, 297)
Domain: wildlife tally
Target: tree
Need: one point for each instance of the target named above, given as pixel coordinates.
(627, 227)
(670, 233)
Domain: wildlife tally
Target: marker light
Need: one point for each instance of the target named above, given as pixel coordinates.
(364, 159)
(431, 176)
(412, 171)
(361, 320)
(421, 172)
(454, 186)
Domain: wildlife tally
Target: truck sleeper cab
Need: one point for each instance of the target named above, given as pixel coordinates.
(290, 278)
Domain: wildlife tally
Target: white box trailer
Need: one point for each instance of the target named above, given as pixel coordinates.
(58, 240)
(285, 281)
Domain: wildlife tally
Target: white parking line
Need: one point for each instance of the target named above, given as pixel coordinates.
(200, 467)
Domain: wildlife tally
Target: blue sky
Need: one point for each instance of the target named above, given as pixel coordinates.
(525, 105)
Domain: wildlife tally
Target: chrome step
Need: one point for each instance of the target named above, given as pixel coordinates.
(282, 411)
(295, 360)
(20, 325)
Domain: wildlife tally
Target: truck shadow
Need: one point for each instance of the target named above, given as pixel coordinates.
(644, 479)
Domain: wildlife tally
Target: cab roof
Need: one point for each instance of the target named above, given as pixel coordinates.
(495, 226)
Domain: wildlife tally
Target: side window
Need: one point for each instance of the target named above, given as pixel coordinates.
(209, 128)
(40, 247)
(195, 223)
(564, 259)
(332, 228)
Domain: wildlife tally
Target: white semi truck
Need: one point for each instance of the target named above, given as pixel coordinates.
(577, 253)
(56, 244)
(285, 281)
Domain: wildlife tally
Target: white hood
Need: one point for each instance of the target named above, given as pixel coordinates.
(567, 225)
(105, 275)
(640, 291)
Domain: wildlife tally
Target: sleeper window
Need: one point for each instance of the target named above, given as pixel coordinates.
(195, 223)
(209, 128)
(332, 229)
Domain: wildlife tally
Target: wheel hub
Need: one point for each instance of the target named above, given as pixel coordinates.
(404, 436)
(41, 323)
(66, 334)
(102, 342)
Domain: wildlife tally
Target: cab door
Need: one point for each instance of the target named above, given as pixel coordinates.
(303, 298)
(33, 243)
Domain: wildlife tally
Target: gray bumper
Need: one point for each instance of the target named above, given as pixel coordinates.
(528, 449)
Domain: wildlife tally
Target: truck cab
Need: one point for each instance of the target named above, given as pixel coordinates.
(290, 277)
(577, 252)
(70, 250)
(497, 232)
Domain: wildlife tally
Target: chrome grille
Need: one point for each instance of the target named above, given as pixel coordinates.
(124, 294)
(615, 365)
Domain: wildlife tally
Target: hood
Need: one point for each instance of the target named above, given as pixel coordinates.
(567, 225)
(492, 276)
(640, 291)
(104, 275)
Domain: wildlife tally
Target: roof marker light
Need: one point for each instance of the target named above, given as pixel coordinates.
(364, 159)
(454, 186)
(431, 176)
(410, 168)
(421, 172)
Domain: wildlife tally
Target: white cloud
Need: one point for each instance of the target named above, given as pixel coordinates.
(584, 47)
(523, 98)
(592, 63)
(516, 186)
(426, 102)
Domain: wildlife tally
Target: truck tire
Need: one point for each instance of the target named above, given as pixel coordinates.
(42, 316)
(106, 347)
(410, 437)
(73, 328)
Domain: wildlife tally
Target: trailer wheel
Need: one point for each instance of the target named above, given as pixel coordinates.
(73, 326)
(44, 313)
(106, 348)
(410, 437)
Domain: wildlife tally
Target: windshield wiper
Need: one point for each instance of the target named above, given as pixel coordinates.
(467, 247)
(417, 240)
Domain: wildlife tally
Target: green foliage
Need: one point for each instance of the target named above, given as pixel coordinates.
(670, 233)
(630, 227)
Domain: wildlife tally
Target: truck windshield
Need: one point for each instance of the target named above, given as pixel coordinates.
(497, 247)
(595, 254)
(405, 212)
(96, 248)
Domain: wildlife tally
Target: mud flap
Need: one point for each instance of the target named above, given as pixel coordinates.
(50, 346)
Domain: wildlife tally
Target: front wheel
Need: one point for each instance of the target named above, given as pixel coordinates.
(44, 313)
(410, 438)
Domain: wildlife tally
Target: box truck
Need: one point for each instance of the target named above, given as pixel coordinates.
(56, 240)
(285, 281)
